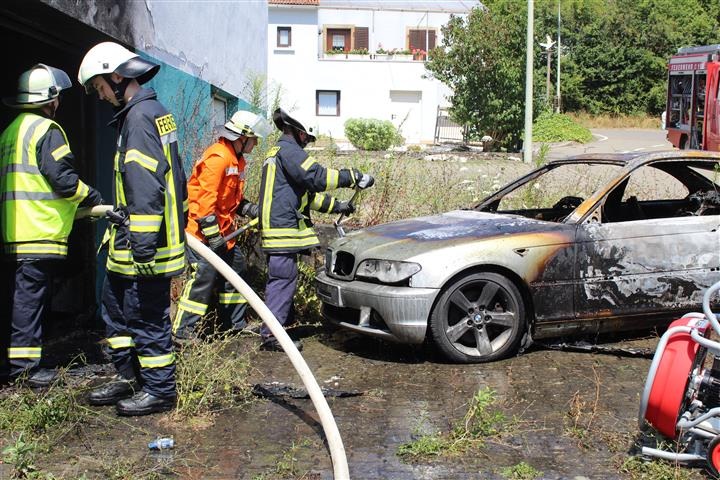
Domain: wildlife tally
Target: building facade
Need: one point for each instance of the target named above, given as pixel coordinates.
(340, 59)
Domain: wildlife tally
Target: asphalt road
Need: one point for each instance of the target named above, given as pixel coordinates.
(615, 140)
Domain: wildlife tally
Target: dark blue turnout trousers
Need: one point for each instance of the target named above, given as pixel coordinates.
(136, 312)
(280, 289)
(28, 293)
(205, 288)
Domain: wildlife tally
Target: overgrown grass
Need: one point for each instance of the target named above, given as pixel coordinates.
(615, 121)
(483, 420)
(521, 471)
(557, 127)
(211, 376)
(637, 468)
(582, 414)
(307, 303)
(34, 421)
(407, 186)
(35, 414)
(287, 464)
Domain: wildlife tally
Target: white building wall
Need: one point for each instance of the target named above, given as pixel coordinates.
(381, 89)
(224, 43)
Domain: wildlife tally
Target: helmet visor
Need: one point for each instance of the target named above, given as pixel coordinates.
(262, 127)
(60, 79)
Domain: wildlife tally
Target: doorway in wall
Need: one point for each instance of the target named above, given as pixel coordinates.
(406, 113)
(37, 33)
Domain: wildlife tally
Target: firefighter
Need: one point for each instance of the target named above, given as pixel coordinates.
(291, 186)
(146, 234)
(40, 192)
(215, 190)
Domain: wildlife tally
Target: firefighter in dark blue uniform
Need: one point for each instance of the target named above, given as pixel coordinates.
(39, 194)
(146, 237)
(292, 185)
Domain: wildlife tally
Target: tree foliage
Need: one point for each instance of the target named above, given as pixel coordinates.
(613, 61)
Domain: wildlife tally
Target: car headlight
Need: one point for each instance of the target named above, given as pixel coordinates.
(387, 271)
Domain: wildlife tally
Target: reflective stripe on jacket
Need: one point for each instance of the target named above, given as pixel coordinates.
(35, 220)
(216, 187)
(150, 181)
(290, 188)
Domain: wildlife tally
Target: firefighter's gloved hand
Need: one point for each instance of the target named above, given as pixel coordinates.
(346, 208)
(363, 180)
(145, 269)
(118, 216)
(249, 209)
(217, 244)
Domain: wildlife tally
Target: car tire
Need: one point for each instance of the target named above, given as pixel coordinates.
(478, 318)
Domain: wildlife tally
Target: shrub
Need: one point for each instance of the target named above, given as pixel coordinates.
(557, 127)
(372, 134)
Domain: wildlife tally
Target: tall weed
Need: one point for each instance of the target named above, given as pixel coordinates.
(211, 375)
(615, 121)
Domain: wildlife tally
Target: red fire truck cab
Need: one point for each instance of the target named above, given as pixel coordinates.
(693, 111)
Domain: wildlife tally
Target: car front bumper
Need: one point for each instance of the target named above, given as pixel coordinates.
(394, 313)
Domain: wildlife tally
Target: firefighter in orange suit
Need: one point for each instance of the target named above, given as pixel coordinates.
(215, 195)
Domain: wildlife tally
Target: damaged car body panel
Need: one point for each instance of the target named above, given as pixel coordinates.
(631, 241)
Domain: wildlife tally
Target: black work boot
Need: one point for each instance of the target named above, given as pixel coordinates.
(116, 389)
(143, 403)
(42, 378)
(39, 378)
(271, 344)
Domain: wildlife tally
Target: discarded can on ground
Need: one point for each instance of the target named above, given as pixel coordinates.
(162, 444)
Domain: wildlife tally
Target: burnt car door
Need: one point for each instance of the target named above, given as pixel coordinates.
(645, 248)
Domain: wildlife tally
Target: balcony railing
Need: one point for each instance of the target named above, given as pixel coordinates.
(378, 57)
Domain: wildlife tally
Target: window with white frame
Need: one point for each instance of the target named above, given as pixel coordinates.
(327, 103)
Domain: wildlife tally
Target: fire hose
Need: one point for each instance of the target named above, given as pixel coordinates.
(335, 444)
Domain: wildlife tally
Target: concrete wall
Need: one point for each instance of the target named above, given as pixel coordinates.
(206, 48)
(372, 88)
(218, 41)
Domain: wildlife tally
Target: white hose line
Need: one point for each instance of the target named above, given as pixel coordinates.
(335, 443)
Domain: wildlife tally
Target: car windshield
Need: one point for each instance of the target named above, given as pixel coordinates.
(554, 192)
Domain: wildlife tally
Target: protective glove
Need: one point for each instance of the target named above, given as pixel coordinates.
(93, 198)
(217, 244)
(118, 216)
(346, 208)
(145, 269)
(249, 209)
(363, 180)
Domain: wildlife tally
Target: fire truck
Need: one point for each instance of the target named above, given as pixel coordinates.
(692, 118)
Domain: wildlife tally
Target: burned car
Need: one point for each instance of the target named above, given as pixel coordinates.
(585, 245)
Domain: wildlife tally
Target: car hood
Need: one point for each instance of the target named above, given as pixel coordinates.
(407, 238)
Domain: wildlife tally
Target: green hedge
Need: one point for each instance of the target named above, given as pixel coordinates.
(556, 127)
(372, 134)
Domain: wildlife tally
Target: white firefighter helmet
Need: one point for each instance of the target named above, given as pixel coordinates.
(244, 123)
(282, 119)
(38, 86)
(109, 57)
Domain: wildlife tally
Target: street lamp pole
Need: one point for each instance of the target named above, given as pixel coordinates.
(557, 78)
(527, 143)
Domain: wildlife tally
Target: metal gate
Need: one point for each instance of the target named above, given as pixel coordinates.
(447, 131)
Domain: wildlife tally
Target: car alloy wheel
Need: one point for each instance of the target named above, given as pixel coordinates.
(478, 318)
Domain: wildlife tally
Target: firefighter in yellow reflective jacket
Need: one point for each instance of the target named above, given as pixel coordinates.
(146, 234)
(40, 193)
(292, 185)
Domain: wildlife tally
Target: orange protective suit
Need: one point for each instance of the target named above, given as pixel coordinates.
(216, 186)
